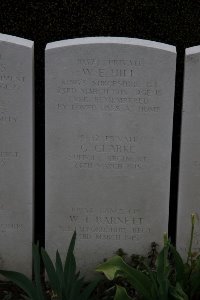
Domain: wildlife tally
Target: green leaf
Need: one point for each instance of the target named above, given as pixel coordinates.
(179, 265)
(53, 278)
(195, 282)
(25, 297)
(59, 266)
(60, 275)
(162, 263)
(7, 296)
(111, 267)
(22, 281)
(163, 270)
(177, 292)
(198, 262)
(115, 267)
(121, 294)
(70, 252)
(36, 261)
(154, 287)
(75, 291)
(70, 266)
(89, 289)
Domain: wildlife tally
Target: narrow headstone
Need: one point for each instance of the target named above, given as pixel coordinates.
(109, 113)
(16, 153)
(189, 174)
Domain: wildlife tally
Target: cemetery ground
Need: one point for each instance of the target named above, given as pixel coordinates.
(160, 275)
(105, 289)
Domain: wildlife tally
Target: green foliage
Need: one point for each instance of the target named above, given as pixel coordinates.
(8, 296)
(65, 282)
(159, 276)
(187, 275)
(150, 285)
(32, 289)
(163, 276)
(63, 279)
(116, 266)
(121, 294)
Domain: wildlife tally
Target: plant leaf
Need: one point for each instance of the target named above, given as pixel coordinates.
(195, 283)
(7, 296)
(115, 267)
(162, 262)
(163, 270)
(53, 278)
(111, 267)
(59, 266)
(75, 291)
(121, 294)
(25, 297)
(60, 275)
(179, 265)
(23, 282)
(89, 289)
(177, 292)
(70, 266)
(153, 277)
(36, 261)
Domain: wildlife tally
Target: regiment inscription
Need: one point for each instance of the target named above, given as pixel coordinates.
(16, 154)
(109, 112)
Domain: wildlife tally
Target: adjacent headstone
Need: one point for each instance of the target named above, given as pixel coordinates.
(16, 153)
(109, 113)
(189, 177)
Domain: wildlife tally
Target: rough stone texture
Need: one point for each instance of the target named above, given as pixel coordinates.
(109, 112)
(189, 180)
(16, 153)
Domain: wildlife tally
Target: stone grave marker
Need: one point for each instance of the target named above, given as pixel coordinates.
(109, 113)
(189, 176)
(16, 153)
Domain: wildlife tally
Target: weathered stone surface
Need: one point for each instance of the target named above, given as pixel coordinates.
(16, 153)
(189, 177)
(109, 113)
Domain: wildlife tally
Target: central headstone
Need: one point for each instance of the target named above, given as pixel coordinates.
(109, 113)
(16, 154)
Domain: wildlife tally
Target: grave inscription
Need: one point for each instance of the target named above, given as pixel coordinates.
(16, 153)
(109, 108)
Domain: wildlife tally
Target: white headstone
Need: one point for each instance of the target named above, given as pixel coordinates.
(16, 153)
(109, 112)
(189, 176)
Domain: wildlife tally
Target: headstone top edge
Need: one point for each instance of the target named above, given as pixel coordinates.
(192, 50)
(16, 40)
(110, 40)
